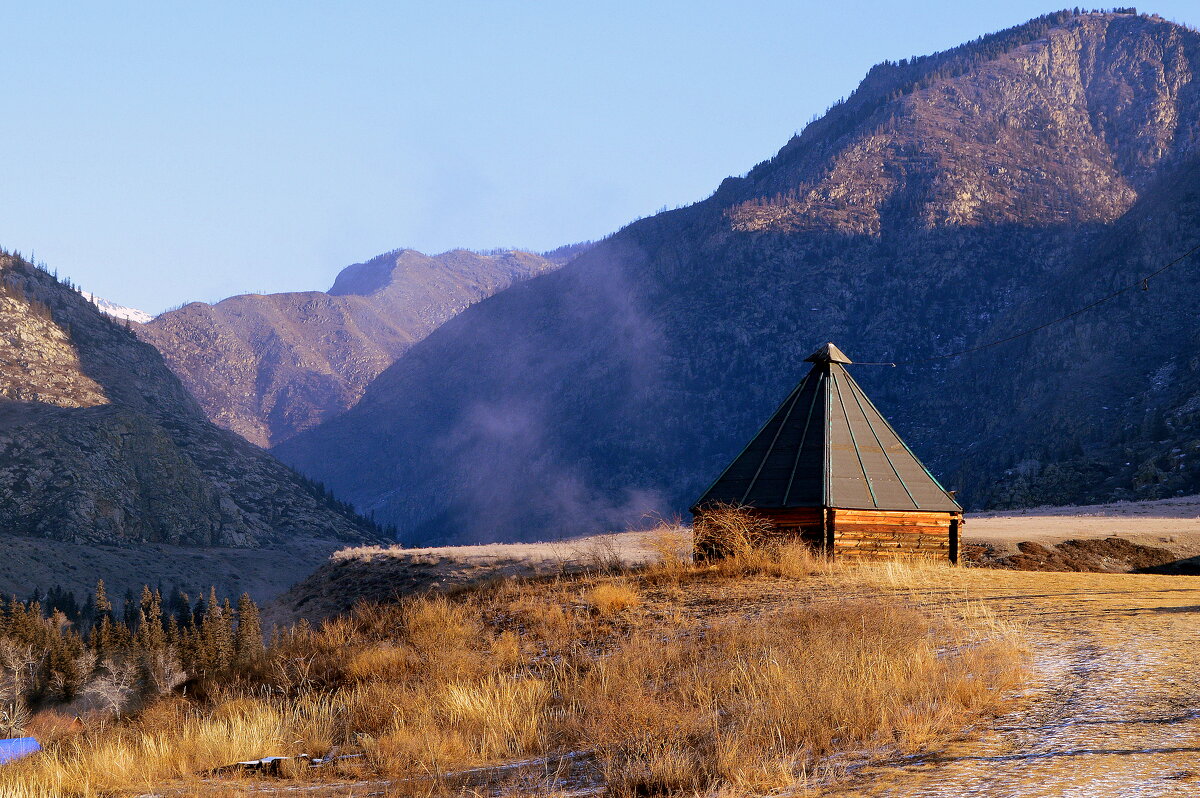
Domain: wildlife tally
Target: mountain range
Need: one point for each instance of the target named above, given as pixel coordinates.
(924, 223)
(950, 201)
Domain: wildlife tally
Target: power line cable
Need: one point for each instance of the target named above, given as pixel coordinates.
(1142, 283)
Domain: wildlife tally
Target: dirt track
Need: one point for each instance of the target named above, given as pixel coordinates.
(1115, 707)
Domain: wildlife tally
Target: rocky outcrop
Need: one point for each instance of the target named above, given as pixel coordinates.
(950, 201)
(269, 366)
(99, 442)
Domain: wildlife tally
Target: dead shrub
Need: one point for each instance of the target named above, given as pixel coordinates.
(671, 545)
(601, 555)
(444, 635)
(162, 716)
(783, 559)
(506, 651)
(729, 530)
(50, 727)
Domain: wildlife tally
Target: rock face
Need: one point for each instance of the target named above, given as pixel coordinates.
(267, 367)
(99, 442)
(950, 201)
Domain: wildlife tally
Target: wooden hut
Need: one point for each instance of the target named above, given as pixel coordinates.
(827, 468)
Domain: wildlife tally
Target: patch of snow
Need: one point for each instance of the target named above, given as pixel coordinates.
(117, 311)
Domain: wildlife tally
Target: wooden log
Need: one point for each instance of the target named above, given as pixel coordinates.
(866, 544)
(922, 514)
(893, 532)
(909, 544)
(931, 543)
(893, 529)
(895, 521)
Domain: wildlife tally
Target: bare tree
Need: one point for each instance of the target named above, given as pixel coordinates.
(17, 665)
(114, 687)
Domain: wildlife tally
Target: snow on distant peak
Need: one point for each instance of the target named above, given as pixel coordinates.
(117, 311)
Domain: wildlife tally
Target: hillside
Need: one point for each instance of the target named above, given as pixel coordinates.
(951, 200)
(269, 366)
(100, 443)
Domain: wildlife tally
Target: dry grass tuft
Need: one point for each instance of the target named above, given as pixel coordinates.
(612, 598)
(791, 560)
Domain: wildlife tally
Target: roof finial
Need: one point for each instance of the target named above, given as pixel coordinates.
(828, 354)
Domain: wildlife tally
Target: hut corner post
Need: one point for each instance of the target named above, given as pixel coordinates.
(955, 531)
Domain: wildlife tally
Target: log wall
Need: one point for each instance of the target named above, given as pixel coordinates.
(877, 534)
(881, 534)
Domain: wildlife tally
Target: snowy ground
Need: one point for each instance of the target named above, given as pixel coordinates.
(1169, 523)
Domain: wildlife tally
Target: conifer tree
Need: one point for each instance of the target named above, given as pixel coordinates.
(248, 645)
(150, 635)
(216, 638)
(172, 633)
(225, 639)
(102, 632)
(129, 609)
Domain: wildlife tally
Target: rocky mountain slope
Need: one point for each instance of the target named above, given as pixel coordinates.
(269, 366)
(100, 443)
(951, 200)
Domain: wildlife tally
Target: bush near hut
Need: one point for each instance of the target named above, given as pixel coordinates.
(729, 530)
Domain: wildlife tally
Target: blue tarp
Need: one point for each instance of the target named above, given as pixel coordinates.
(17, 747)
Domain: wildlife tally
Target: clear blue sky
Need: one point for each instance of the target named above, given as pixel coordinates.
(163, 152)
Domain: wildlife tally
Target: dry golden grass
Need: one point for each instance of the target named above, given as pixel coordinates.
(674, 697)
(755, 705)
(110, 758)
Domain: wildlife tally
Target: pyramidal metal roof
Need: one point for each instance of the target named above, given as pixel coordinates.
(828, 446)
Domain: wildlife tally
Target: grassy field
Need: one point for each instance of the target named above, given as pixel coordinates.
(765, 671)
(1170, 523)
(613, 664)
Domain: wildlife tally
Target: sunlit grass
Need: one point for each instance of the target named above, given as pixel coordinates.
(616, 665)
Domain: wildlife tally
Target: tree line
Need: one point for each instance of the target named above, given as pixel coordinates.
(89, 657)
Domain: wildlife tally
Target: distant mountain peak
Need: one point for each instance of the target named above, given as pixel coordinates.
(1042, 123)
(116, 311)
(410, 266)
(268, 366)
